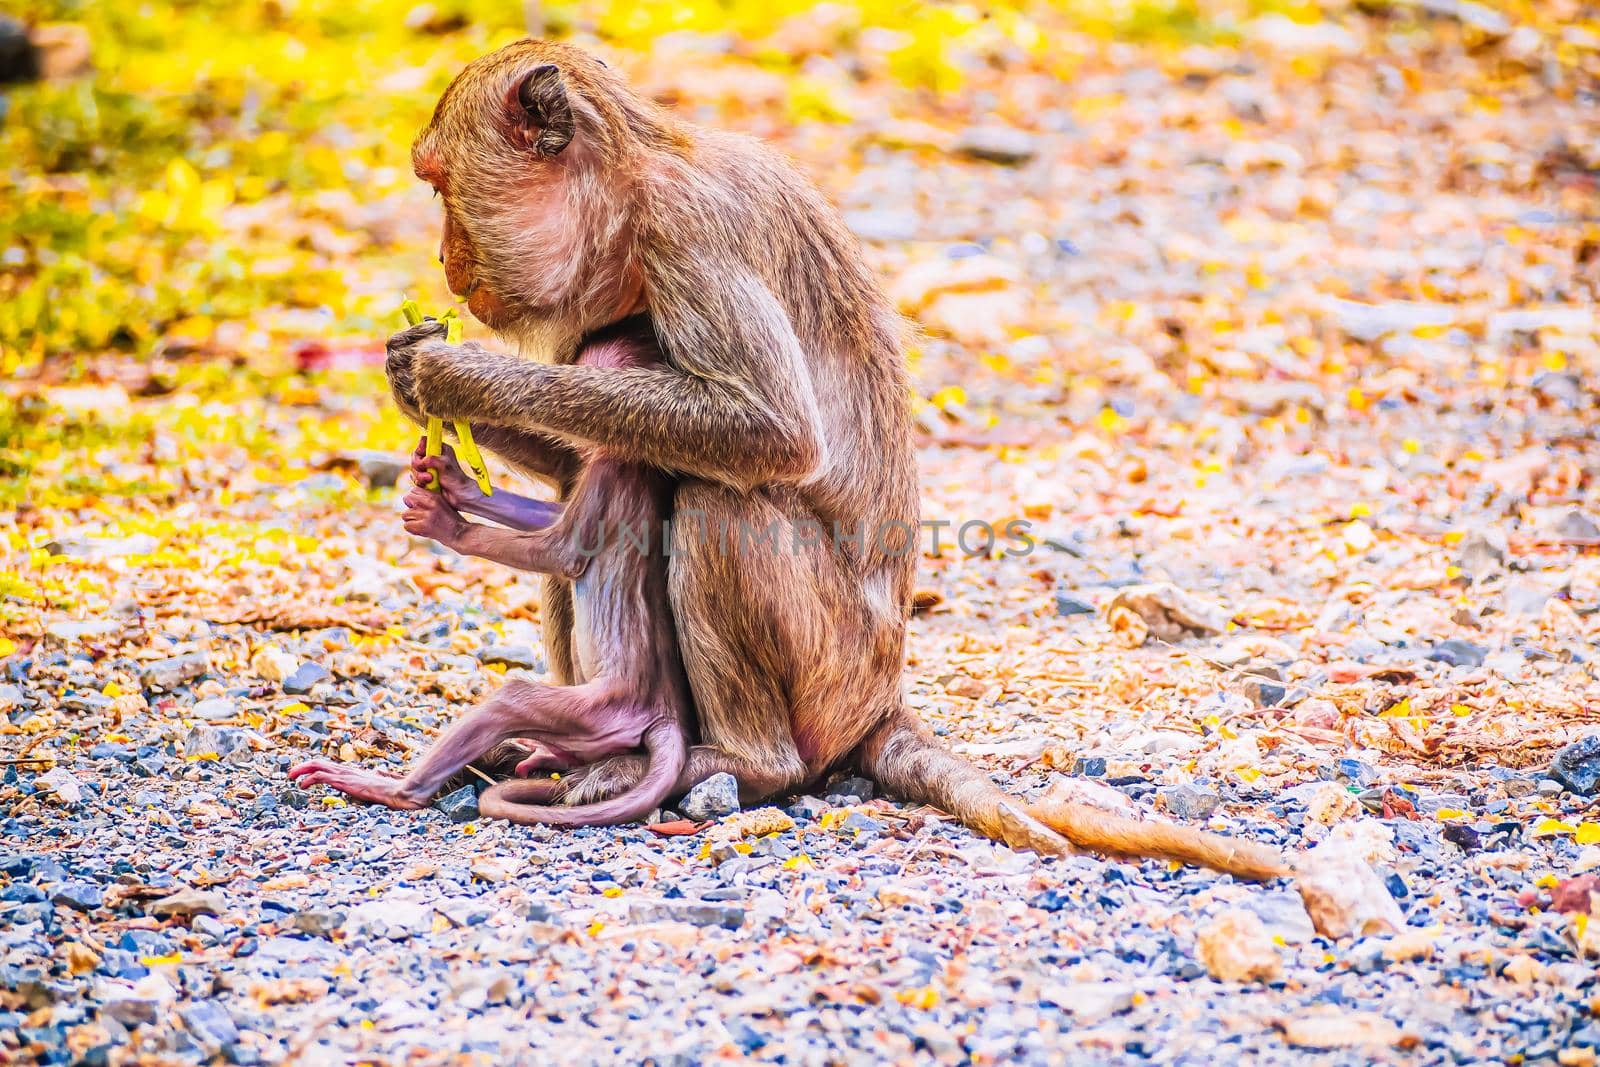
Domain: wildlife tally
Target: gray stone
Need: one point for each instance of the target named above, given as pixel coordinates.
(168, 674)
(1067, 606)
(1356, 771)
(1190, 801)
(1368, 322)
(79, 896)
(460, 806)
(1577, 525)
(713, 798)
(305, 676)
(215, 708)
(1525, 596)
(379, 470)
(228, 743)
(861, 823)
(396, 920)
(318, 922)
(729, 916)
(1283, 913)
(809, 808)
(516, 657)
(994, 143)
(1577, 766)
(1458, 653)
(188, 903)
(68, 632)
(852, 791)
(210, 1024)
(1483, 553)
(884, 224)
(130, 1010)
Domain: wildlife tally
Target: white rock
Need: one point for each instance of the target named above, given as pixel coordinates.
(61, 782)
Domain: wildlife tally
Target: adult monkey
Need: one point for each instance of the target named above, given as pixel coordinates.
(570, 203)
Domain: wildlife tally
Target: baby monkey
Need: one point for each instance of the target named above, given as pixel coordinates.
(607, 539)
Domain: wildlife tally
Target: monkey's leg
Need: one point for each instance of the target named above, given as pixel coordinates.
(523, 801)
(555, 619)
(907, 761)
(612, 777)
(520, 707)
(783, 661)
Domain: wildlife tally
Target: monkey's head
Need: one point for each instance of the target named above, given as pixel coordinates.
(531, 149)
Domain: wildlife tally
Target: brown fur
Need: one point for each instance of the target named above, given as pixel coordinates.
(783, 401)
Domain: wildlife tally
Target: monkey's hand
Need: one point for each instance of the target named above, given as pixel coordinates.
(400, 364)
(460, 381)
(427, 515)
(459, 489)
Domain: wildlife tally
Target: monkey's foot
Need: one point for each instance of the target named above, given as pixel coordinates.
(370, 786)
(541, 758)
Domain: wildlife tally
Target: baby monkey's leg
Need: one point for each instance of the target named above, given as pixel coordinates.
(519, 708)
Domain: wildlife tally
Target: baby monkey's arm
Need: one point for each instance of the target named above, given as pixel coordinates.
(546, 551)
(461, 492)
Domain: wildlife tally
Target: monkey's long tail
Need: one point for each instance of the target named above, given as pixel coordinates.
(665, 753)
(908, 762)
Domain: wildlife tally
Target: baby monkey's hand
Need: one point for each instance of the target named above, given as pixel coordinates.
(428, 514)
(459, 489)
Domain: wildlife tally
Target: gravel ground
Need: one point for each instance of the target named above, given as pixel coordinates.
(1276, 375)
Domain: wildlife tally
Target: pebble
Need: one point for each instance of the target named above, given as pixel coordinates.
(1235, 947)
(712, 799)
(1577, 766)
(995, 143)
(460, 806)
(1189, 801)
(515, 657)
(851, 791)
(318, 922)
(169, 674)
(230, 744)
(1067, 606)
(1458, 653)
(210, 1024)
(1355, 771)
(80, 896)
(188, 903)
(729, 916)
(305, 677)
(215, 708)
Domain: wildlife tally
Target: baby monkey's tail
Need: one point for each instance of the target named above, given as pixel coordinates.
(909, 763)
(525, 800)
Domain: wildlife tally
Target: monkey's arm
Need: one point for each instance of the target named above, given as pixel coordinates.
(737, 406)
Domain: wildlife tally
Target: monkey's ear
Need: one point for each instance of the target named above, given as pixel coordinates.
(546, 111)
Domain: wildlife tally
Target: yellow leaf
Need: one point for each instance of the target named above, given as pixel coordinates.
(1551, 827)
(1401, 710)
(1588, 833)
